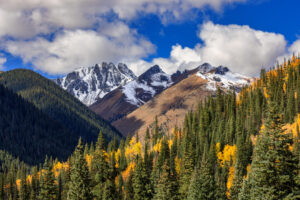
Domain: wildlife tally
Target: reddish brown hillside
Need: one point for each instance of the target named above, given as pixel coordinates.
(113, 106)
(170, 107)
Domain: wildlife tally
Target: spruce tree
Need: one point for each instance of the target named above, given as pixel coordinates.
(129, 190)
(109, 192)
(141, 181)
(163, 189)
(35, 184)
(120, 187)
(100, 167)
(202, 185)
(79, 186)
(273, 167)
(24, 188)
(187, 171)
(47, 183)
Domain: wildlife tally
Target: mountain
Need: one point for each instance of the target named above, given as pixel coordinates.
(58, 104)
(28, 133)
(132, 95)
(171, 105)
(89, 84)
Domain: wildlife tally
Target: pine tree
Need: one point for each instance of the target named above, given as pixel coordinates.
(109, 192)
(164, 154)
(164, 189)
(129, 190)
(24, 189)
(60, 188)
(140, 181)
(122, 159)
(79, 186)
(273, 167)
(100, 167)
(187, 171)
(35, 184)
(120, 187)
(202, 185)
(48, 188)
(11, 177)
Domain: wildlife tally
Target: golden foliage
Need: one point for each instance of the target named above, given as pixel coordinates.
(177, 164)
(58, 167)
(293, 128)
(230, 180)
(228, 155)
(18, 183)
(157, 146)
(266, 93)
(170, 142)
(133, 149)
(89, 159)
(126, 172)
(248, 170)
(29, 179)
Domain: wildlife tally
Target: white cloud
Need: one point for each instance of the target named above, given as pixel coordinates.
(2, 61)
(180, 59)
(72, 49)
(293, 49)
(242, 49)
(26, 18)
(82, 35)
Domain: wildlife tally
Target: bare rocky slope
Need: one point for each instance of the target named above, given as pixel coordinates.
(172, 104)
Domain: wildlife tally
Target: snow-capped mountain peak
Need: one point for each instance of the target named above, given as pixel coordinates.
(89, 84)
(222, 77)
(204, 68)
(150, 83)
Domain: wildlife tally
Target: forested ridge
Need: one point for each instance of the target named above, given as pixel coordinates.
(233, 146)
(58, 104)
(28, 133)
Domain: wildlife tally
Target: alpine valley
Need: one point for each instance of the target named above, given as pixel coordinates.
(131, 103)
(145, 137)
(149, 100)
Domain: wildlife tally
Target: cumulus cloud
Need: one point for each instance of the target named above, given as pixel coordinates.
(72, 49)
(80, 32)
(293, 49)
(180, 59)
(30, 17)
(241, 48)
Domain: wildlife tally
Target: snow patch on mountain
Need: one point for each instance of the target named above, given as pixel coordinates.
(131, 94)
(222, 77)
(150, 83)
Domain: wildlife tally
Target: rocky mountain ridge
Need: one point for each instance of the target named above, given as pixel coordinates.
(89, 84)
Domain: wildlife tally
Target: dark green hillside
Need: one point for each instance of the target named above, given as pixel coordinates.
(28, 133)
(57, 103)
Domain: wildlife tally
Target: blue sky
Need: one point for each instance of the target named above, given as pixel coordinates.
(53, 39)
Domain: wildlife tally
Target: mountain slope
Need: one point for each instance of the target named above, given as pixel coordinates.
(171, 105)
(28, 133)
(90, 84)
(132, 95)
(58, 104)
